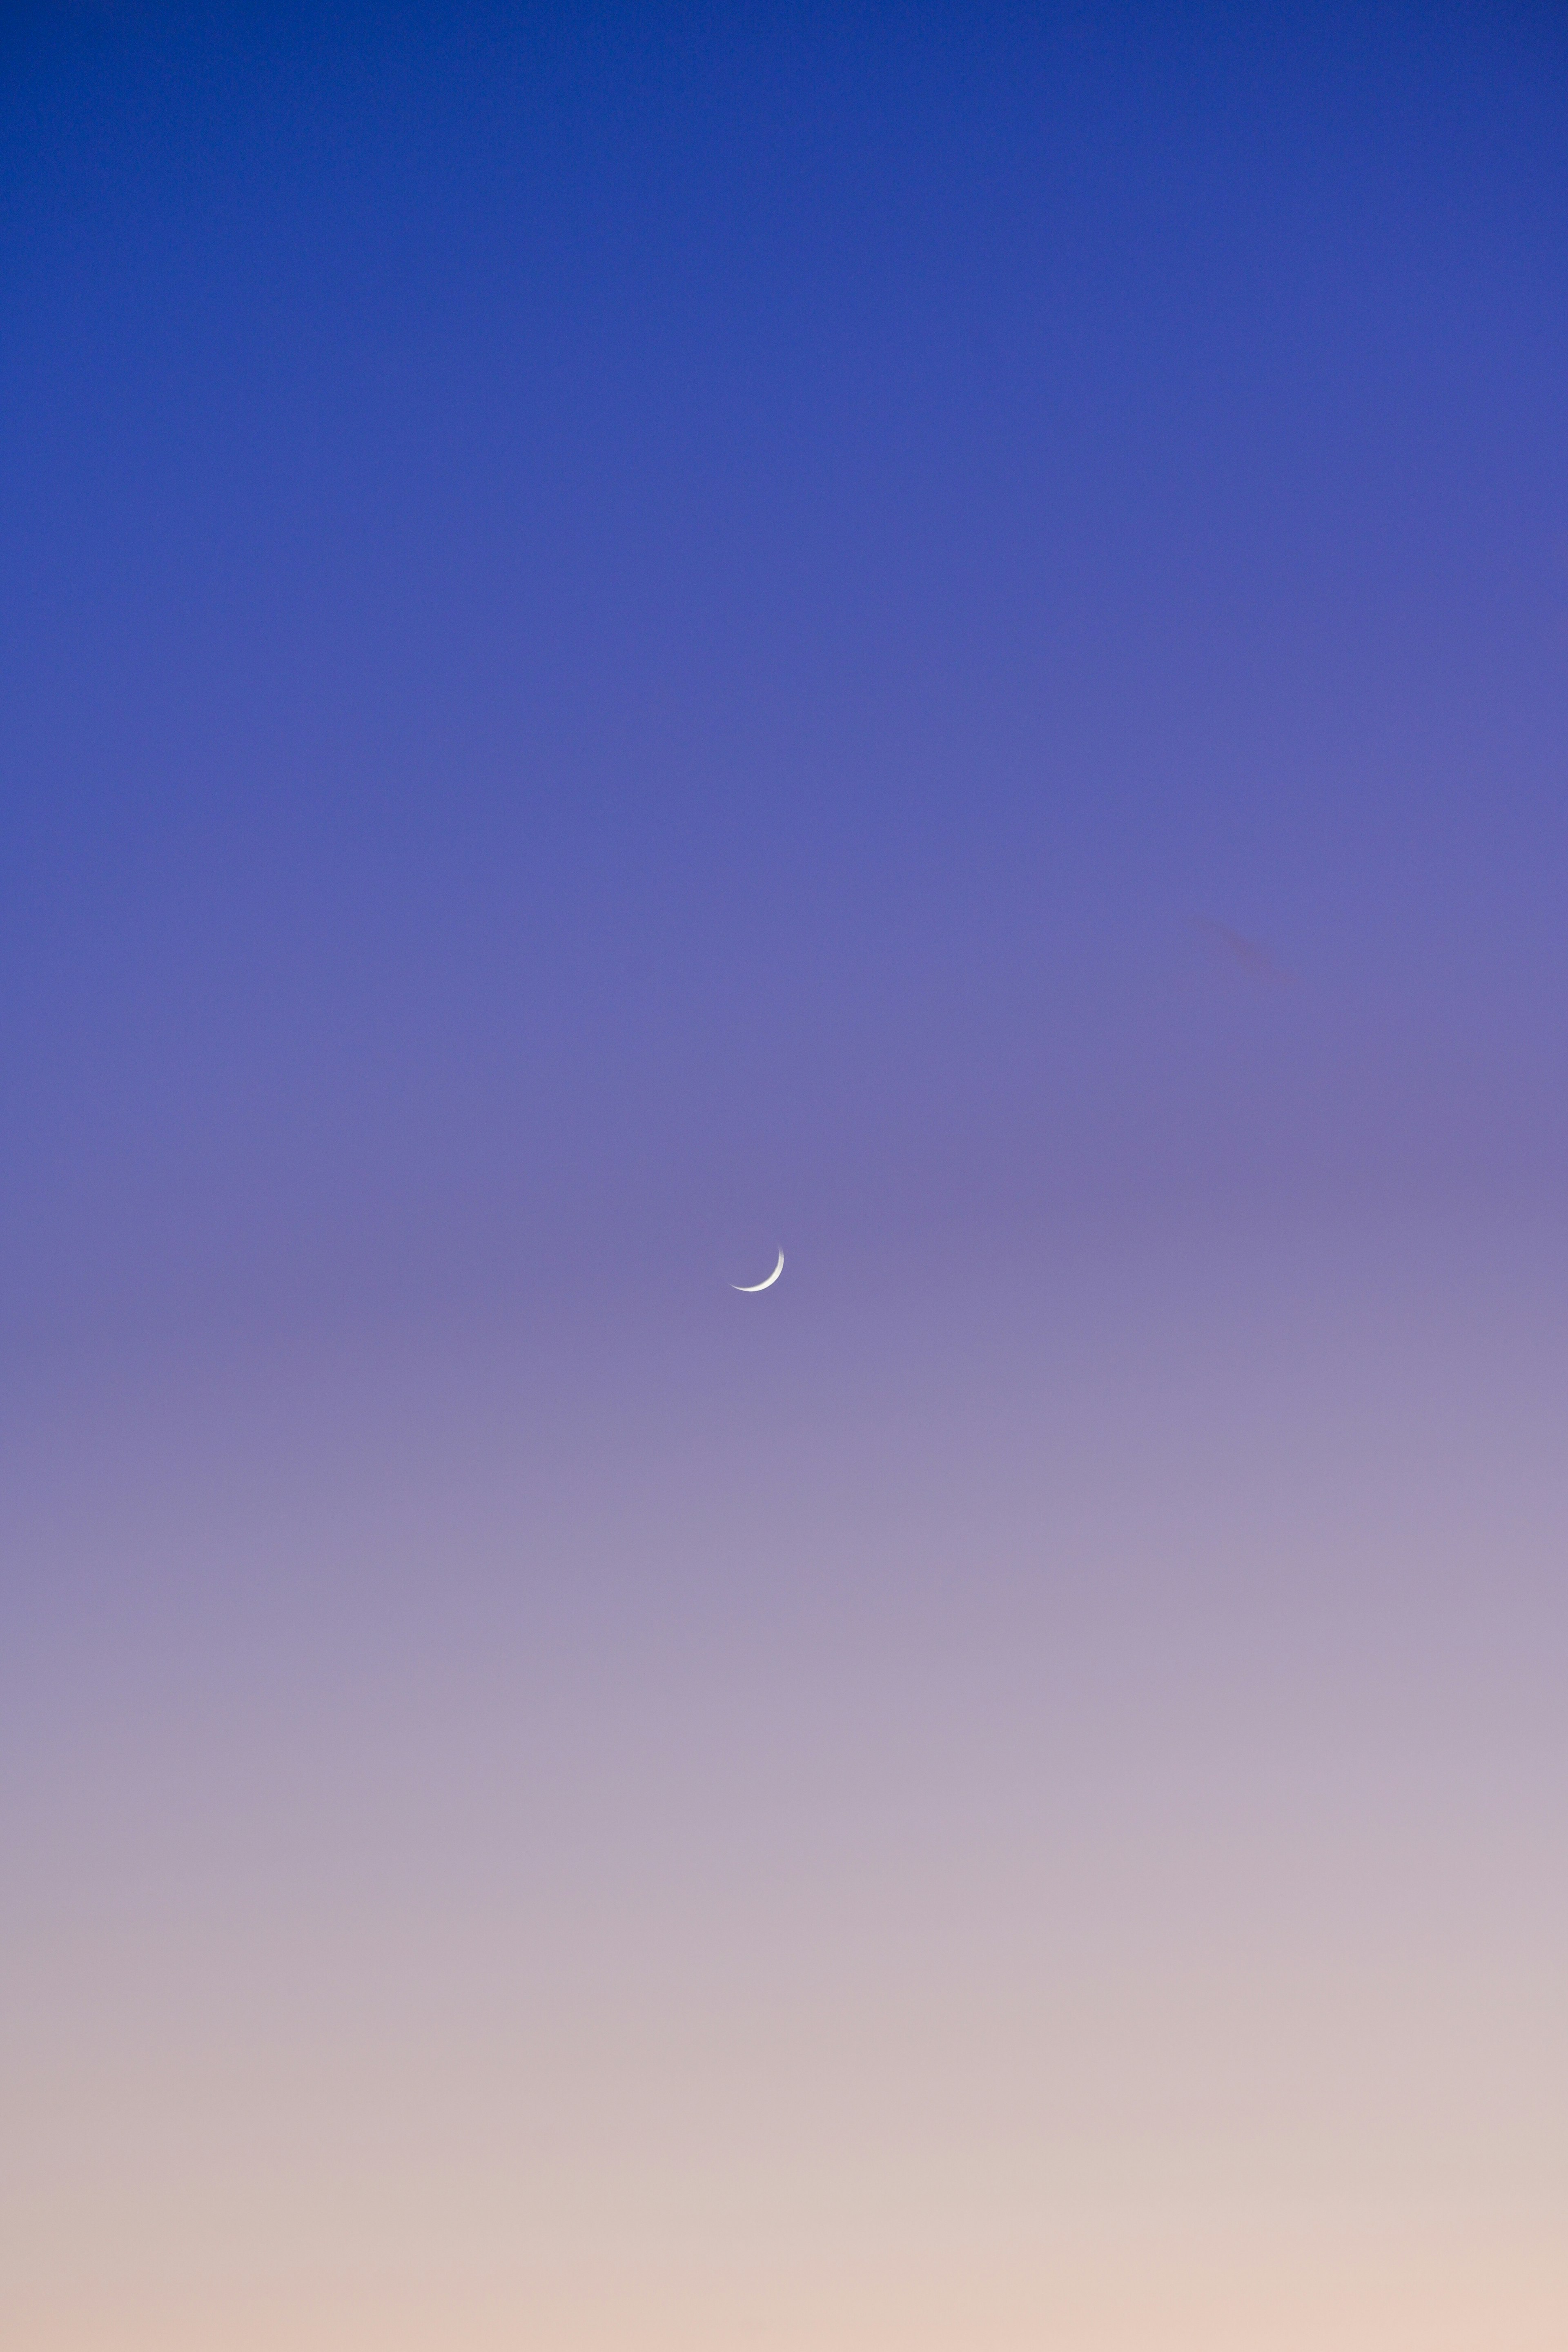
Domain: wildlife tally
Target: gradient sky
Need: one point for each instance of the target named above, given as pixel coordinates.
(935, 637)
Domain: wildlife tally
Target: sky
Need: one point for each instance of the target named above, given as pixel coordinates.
(935, 638)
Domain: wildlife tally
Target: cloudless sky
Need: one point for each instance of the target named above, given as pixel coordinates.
(935, 637)
(641, 599)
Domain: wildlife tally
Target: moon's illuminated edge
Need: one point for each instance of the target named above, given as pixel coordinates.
(762, 1286)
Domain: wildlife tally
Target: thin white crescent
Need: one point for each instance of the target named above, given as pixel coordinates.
(762, 1286)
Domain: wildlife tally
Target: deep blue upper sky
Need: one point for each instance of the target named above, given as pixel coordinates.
(646, 621)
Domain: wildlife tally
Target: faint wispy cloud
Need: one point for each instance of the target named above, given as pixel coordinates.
(1243, 955)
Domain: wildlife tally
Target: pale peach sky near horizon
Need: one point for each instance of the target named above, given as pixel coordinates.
(1069, 1853)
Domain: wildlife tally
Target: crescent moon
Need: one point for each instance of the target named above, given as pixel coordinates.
(762, 1286)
